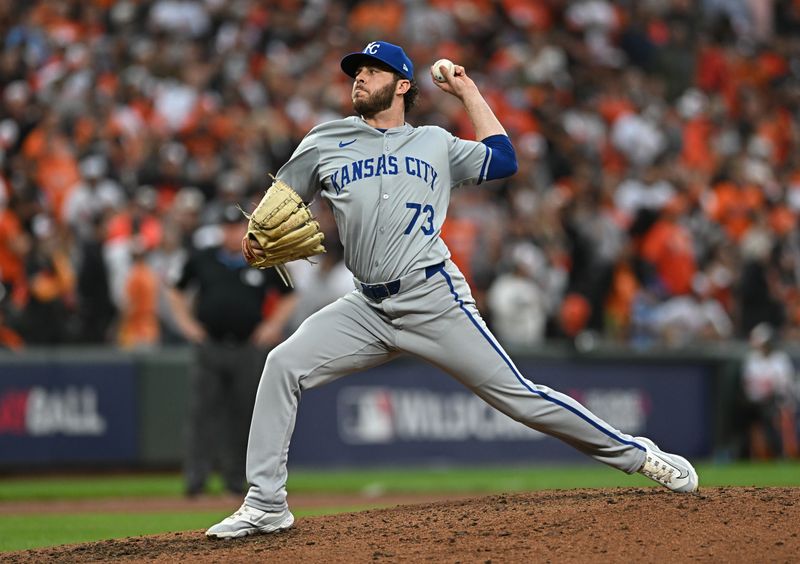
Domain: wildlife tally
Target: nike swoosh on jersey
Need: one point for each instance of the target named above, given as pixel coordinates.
(343, 144)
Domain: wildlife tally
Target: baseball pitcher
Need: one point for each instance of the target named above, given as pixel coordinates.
(389, 187)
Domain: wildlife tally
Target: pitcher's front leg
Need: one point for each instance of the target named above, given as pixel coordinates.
(342, 338)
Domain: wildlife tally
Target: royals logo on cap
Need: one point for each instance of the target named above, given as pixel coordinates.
(381, 51)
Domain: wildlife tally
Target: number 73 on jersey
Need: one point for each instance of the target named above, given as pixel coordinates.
(426, 223)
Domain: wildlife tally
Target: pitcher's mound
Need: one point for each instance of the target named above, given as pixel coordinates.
(610, 525)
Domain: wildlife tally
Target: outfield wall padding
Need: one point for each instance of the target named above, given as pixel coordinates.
(78, 406)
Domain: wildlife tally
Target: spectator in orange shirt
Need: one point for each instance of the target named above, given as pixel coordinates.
(461, 234)
(622, 293)
(56, 170)
(668, 246)
(733, 201)
(139, 324)
(697, 153)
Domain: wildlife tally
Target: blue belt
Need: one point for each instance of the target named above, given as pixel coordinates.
(378, 292)
(381, 291)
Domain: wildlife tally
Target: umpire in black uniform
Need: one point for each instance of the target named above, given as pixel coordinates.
(233, 314)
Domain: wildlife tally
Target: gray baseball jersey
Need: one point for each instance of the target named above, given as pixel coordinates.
(389, 191)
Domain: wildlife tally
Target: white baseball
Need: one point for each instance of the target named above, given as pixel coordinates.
(448, 64)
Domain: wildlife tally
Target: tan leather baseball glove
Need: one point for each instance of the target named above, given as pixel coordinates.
(281, 229)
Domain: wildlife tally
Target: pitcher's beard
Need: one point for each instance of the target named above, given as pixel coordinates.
(373, 104)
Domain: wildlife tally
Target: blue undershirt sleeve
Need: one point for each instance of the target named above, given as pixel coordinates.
(502, 159)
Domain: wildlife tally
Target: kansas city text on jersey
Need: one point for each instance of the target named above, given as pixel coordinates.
(383, 165)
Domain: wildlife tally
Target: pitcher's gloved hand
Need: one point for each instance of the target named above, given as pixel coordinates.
(281, 229)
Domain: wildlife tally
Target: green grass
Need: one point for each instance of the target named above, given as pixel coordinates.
(19, 532)
(90, 487)
(478, 480)
(23, 532)
(507, 479)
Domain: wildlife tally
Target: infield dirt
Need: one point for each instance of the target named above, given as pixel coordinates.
(611, 525)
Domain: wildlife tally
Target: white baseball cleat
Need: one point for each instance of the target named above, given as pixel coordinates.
(250, 521)
(669, 470)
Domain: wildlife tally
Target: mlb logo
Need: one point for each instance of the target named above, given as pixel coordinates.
(366, 416)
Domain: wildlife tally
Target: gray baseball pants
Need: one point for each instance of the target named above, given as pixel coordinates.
(434, 318)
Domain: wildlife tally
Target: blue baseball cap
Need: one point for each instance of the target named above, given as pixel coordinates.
(386, 53)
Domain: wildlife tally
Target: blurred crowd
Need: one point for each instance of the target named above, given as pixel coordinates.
(656, 201)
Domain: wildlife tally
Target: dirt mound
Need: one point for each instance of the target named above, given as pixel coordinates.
(727, 524)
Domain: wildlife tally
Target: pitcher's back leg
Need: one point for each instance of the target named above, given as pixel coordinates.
(458, 341)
